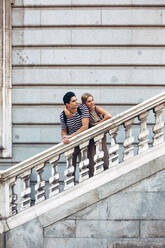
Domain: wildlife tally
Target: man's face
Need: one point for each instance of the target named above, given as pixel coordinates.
(73, 104)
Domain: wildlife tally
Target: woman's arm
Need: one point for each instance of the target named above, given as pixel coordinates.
(67, 112)
(103, 112)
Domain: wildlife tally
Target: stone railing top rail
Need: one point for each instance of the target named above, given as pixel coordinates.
(56, 150)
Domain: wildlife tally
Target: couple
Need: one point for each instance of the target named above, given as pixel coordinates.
(77, 118)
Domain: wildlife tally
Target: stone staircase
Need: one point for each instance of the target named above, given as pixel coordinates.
(116, 208)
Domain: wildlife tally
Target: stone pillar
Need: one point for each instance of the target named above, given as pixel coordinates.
(1, 69)
(4, 199)
(5, 79)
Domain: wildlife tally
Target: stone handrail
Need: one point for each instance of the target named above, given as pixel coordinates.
(15, 186)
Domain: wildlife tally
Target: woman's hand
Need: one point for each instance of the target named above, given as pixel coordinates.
(96, 123)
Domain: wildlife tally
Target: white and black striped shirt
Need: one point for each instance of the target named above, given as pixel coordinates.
(75, 122)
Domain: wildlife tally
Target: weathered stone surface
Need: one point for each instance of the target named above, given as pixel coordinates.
(87, 2)
(74, 243)
(64, 228)
(99, 56)
(53, 94)
(97, 211)
(137, 205)
(95, 36)
(2, 240)
(126, 205)
(92, 16)
(56, 17)
(136, 244)
(113, 75)
(93, 229)
(155, 183)
(152, 229)
(29, 235)
(135, 16)
(41, 2)
(107, 229)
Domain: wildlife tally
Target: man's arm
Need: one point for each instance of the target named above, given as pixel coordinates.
(65, 137)
(85, 125)
(84, 121)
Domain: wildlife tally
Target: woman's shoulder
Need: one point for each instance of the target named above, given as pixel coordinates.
(83, 106)
(98, 109)
(84, 110)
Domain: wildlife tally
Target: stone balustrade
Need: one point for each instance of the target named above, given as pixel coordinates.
(15, 184)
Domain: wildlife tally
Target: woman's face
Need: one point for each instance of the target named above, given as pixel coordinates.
(90, 103)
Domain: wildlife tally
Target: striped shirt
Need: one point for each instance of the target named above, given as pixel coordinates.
(75, 122)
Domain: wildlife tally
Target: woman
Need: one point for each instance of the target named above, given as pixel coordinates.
(97, 115)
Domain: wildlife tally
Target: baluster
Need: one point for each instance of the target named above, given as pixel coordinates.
(69, 172)
(40, 186)
(129, 139)
(113, 151)
(83, 165)
(159, 124)
(144, 132)
(26, 193)
(98, 157)
(12, 197)
(54, 179)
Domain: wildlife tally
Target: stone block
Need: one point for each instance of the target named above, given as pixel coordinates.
(74, 243)
(107, 229)
(94, 36)
(71, 17)
(101, 2)
(136, 205)
(64, 228)
(41, 37)
(26, 56)
(152, 229)
(155, 183)
(24, 151)
(131, 16)
(29, 235)
(95, 212)
(137, 244)
(36, 115)
(115, 76)
(146, 2)
(45, 115)
(41, 2)
(97, 36)
(22, 17)
(37, 134)
(88, 56)
(53, 95)
(126, 205)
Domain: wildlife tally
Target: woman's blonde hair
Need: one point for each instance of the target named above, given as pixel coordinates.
(84, 97)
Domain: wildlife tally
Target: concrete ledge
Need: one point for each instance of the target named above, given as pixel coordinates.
(93, 190)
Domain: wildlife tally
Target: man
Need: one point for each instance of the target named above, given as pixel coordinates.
(74, 120)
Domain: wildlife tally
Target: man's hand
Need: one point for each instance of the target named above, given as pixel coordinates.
(65, 139)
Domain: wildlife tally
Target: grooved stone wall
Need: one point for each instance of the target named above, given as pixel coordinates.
(112, 48)
(132, 218)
